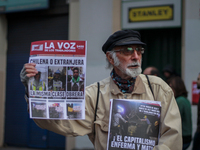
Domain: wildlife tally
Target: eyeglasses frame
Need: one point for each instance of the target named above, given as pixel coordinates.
(132, 51)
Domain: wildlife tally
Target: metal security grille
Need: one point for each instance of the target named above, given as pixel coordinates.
(24, 28)
(163, 47)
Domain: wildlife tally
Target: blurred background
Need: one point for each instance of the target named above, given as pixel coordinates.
(170, 29)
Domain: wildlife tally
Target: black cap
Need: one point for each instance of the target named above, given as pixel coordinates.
(121, 38)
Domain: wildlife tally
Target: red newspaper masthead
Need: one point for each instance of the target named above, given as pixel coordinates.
(56, 47)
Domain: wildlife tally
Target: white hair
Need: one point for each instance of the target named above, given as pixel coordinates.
(113, 55)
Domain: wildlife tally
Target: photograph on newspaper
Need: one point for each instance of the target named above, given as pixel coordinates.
(133, 124)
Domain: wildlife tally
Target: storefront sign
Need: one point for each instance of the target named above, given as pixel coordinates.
(151, 14)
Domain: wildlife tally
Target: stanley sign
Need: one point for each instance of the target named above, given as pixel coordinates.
(152, 13)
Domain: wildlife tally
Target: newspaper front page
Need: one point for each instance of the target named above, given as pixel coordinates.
(133, 124)
(58, 90)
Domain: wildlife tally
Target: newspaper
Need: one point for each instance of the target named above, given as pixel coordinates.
(58, 90)
(133, 124)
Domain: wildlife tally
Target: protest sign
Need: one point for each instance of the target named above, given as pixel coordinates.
(133, 124)
(57, 91)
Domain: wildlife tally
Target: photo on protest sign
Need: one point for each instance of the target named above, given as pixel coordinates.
(74, 110)
(57, 82)
(133, 124)
(56, 110)
(56, 78)
(38, 109)
(38, 83)
(75, 82)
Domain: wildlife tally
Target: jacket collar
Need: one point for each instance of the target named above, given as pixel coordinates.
(139, 87)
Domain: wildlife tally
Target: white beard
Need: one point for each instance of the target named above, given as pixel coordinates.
(134, 72)
(130, 72)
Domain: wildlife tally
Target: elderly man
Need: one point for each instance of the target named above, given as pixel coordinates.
(124, 51)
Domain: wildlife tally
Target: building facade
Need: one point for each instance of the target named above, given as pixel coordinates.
(93, 21)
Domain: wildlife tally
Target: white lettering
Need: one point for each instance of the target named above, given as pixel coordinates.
(50, 46)
(72, 45)
(66, 47)
(60, 45)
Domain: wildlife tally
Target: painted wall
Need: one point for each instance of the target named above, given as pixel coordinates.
(95, 27)
(191, 63)
(192, 44)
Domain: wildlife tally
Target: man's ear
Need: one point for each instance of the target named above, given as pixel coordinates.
(109, 57)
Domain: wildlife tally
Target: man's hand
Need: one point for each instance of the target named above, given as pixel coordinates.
(30, 69)
(27, 71)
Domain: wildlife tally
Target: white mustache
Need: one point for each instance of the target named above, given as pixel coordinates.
(133, 64)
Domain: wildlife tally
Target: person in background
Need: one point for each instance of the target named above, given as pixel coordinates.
(169, 72)
(151, 71)
(180, 93)
(196, 139)
(123, 50)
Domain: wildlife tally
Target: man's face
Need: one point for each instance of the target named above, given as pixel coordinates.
(57, 76)
(166, 74)
(37, 77)
(75, 74)
(127, 66)
(198, 82)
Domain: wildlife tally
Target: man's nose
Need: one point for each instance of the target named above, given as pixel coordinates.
(135, 55)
